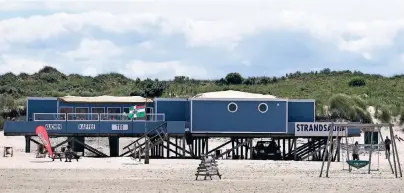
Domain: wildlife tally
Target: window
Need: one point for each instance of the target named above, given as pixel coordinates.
(232, 107)
(150, 115)
(66, 110)
(262, 107)
(82, 110)
(114, 113)
(96, 112)
(125, 113)
(114, 110)
(81, 113)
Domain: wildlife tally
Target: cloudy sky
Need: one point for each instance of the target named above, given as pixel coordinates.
(202, 38)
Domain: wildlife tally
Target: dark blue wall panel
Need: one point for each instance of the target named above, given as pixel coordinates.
(301, 111)
(109, 127)
(41, 105)
(213, 116)
(176, 127)
(174, 110)
(83, 127)
(53, 127)
(140, 127)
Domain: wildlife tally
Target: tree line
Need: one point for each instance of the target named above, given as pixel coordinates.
(326, 86)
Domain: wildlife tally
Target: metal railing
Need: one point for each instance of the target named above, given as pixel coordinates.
(124, 117)
(49, 117)
(95, 117)
(83, 117)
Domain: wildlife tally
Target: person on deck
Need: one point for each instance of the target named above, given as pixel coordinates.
(387, 143)
(355, 152)
(68, 152)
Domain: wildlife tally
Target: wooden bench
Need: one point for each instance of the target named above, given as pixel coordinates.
(8, 151)
(208, 168)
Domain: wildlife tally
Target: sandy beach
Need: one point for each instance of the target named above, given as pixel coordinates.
(25, 173)
(125, 175)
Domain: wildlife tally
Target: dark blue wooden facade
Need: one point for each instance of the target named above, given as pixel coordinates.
(200, 115)
(214, 116)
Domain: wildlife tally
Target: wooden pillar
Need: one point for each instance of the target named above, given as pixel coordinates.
(251, 149)
(232, 147)
(294, 151)
(77, 147)
(27, 144)
(168, 147)
(113, 146)
(183, 146)
(283, 148)
(207, 145)
(176, 146)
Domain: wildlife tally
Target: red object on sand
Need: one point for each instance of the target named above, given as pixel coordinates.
(43, 135)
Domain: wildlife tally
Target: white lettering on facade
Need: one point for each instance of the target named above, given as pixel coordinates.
(119, 127)
(53, 127)
(86, 126)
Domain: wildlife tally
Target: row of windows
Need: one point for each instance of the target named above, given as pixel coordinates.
(233, 107)
(113, 111)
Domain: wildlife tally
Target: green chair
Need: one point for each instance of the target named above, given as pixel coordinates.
(357, 163)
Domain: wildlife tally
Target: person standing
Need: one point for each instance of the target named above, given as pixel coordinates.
(355, 152)
(387, 143)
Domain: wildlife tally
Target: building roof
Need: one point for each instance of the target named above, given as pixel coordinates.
(105, 99)
(232, 94)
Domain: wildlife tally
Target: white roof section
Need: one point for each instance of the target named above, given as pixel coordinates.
(233, 94)
(105, 99)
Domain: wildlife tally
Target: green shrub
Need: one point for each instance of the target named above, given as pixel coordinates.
(357, 82)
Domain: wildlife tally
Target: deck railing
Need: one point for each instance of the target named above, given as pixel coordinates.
(95, 117)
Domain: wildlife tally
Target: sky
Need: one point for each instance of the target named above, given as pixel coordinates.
(202, 39)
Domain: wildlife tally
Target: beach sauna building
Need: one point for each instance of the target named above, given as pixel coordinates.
(237, 116)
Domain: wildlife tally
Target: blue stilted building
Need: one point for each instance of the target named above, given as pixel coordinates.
(238, 118)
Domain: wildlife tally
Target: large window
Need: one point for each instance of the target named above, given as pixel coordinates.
(82, 113)
(114, 113)
(96, 112)
(114, 110)
(65, 110)
(149, 114)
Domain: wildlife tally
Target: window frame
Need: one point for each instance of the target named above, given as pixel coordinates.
(232, 103)
(259, 110)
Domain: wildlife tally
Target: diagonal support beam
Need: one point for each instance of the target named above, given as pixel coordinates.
(89, 148)
(35, 141)
(169, 149)
(218, 147)
(177, 146)
(235, 147)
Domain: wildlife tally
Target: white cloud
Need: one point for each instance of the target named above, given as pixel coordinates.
(90, 71)
(16, 64)
(362, 27)
(94, 49)
(162, 70)
(222, 23)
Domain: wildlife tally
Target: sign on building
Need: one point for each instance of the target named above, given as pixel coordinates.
(53, 127)
(86, 127)
(320, 129)
(119, 127)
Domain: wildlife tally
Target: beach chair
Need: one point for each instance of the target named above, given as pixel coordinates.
(208, 168)
(8, 151)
